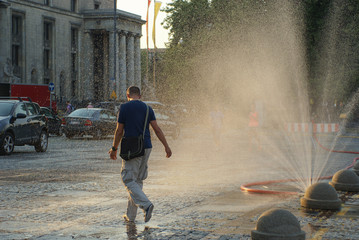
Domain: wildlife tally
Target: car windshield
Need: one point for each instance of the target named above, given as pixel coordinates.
(5, 108)
(83, 112)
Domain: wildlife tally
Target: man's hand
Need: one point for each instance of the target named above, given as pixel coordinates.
(116, 140)
(168, 152)
(113, 154)
(161, 137)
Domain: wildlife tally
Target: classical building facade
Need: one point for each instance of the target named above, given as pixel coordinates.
(84, 47)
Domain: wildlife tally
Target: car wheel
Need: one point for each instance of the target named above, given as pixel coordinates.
(41, 145)
(7, 146)
(98, 134)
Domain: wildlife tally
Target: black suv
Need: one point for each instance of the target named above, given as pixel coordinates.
(21, 124)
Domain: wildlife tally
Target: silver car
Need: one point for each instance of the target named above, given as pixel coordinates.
(97, 122)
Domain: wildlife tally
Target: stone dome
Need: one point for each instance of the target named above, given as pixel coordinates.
(356, 167)
(277, 224)
(345, 180)
(321, 195)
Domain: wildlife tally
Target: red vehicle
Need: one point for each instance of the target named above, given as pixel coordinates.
(38, 93)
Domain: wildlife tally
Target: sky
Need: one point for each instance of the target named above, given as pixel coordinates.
(139, 7)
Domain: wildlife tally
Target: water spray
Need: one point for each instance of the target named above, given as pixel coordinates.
(247, 187)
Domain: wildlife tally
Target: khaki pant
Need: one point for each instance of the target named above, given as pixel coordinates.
(133, 173)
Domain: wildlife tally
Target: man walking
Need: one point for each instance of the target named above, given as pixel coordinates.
(130, 123)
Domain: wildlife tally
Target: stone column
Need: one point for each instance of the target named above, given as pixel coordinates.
(87, 66)
(113, 79)
(130, 60)
(5, 36)
(137, 61)
(122, 86)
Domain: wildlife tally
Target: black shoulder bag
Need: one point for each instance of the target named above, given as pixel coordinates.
(132, 147)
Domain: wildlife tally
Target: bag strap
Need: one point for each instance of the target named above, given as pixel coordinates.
(144, 127)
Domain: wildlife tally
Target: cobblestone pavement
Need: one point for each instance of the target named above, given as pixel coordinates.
(73, 191)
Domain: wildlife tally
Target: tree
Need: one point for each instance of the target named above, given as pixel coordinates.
(184, 18)
(217, 45)
(332, 48)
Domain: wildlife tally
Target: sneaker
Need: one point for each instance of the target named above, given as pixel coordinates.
(148, 213)
(125, 217)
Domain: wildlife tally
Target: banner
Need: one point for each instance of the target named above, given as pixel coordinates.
(148, 7)
(157, 9)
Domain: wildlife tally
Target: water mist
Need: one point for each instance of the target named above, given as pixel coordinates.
(263, 62)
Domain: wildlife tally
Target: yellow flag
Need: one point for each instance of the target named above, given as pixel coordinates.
(157, 9)
(148, 6)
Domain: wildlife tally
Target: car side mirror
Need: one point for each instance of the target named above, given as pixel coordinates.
(21, 115)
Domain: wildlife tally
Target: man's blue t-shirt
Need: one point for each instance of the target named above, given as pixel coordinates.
(132, 114)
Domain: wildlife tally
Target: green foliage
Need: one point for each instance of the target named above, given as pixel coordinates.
(196, 27)
(184, 18)
(332, 48)
(201, 30)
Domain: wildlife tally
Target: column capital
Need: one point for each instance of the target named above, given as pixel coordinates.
(114, 31)
(130, 34)
(122, 33)
(4, 4)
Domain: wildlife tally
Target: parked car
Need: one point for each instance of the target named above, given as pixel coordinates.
(165, 119)
(21, 124)
(156, 105)
(111, 105)
(167, 124)
(97, 122)
(53, 121)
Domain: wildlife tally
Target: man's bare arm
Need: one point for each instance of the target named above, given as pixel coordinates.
(161, 137)
(116, 140)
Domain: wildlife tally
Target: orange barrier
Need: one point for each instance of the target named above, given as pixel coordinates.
(317, 127)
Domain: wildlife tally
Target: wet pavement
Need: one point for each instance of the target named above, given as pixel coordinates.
(74, 191)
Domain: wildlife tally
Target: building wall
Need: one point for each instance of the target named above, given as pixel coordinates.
(86, 20)
(89, 4)
(34, 17)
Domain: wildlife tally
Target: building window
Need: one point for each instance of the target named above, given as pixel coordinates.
(47, 33)
(73, 5)
(74, 55)
(47, 2)
(16, 44)
(47, 54)
(74, 37)
(47, 58)
(97, 6)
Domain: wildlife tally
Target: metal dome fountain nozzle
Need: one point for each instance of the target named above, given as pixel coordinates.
(277, 224)
(345, 180)
(321, 196)
(356, 167)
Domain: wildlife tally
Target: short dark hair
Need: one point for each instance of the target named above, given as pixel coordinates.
(133, 90)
